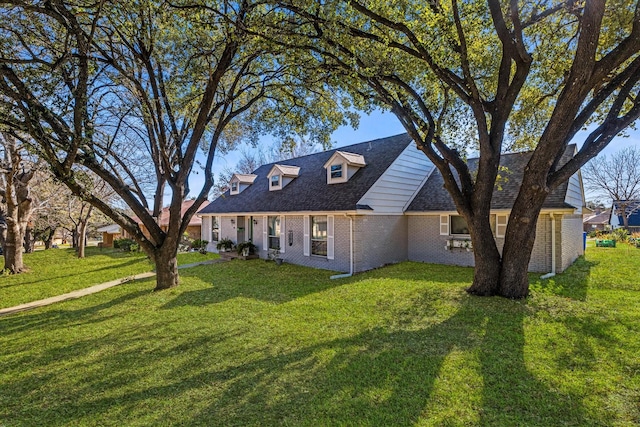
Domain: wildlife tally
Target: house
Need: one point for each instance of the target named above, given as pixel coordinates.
(366, 205)
(110, 233)
(194, 229)
(597, 221)
(628, 208)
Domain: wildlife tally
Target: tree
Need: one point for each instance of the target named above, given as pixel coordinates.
(616, 178)
(495, 75)
(132, 91)
(16, 173)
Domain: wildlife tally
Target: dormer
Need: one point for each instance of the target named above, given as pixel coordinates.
(239, 182)
(281, 175)
(342, 166)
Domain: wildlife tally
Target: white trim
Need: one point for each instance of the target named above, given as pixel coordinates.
(283, 234)
(444, 225)
(330, 239)
(265, 233)
(307, 241)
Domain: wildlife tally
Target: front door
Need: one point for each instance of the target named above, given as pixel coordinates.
(240, 225)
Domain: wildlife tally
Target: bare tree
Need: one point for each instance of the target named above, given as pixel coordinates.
(16, 173)
(617, 178)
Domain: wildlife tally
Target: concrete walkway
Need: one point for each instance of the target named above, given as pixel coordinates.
(92, 289)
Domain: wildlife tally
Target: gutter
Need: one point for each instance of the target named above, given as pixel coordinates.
(553, 249)
(350, 273)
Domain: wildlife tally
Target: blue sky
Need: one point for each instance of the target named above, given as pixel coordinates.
(382, 124)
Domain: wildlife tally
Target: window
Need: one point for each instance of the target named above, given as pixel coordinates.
(234, 186)
(215, 229)
(501, 225)
(274, 232)
(319, 235)
(275, 181)
(336, 171)
(459, 225)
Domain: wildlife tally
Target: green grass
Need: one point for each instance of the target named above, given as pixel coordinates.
(57, 271)
(250, 343)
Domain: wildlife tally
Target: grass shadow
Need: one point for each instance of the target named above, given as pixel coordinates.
(572, 283)
(256, 279)
(381, 376)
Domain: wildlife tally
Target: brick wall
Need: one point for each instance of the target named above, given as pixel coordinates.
(572, 244)
(294, 254)
(425, 244)
(379, 240)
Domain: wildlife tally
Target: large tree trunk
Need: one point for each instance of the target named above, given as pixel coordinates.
(518, 244)
(13, 247)
(29, 239)
(49, 238)
(486, 274)
(166, 268)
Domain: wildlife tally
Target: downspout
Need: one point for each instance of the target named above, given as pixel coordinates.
(553, 249)
(350, 273)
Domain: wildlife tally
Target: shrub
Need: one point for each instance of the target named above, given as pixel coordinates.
(126, 245)
(200, 245)
(620, 235)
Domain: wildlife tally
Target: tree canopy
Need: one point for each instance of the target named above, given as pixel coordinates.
(490, 75)
(133, 91)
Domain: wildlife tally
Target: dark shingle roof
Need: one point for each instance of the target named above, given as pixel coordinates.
(434, 197)
(310, 191)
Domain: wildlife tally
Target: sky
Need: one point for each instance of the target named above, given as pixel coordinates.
(382, 124)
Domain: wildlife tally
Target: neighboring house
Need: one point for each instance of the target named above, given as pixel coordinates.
(194, 229)
(110, 233)
(628, 208)
(379, 202)
(597, 221)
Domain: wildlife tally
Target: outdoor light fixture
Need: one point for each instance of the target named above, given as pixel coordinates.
(290, 237)
(255, 222)
(233, 221)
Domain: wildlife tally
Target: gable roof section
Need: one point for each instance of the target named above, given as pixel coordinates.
(285, 170)
(632, 210)
(434, 197)
(310, 191)
(243, 178)
(351, 158)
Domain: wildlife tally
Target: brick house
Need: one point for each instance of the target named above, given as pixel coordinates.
(366, 205)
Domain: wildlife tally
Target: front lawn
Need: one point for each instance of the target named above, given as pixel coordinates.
(58, 271)
(249, 343)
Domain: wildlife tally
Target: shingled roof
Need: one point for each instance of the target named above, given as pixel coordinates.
(310, 191)
(434, 197)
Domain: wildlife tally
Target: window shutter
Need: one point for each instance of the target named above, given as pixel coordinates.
(283, 241)
(205, 228)
(444, 225)
(501, 225)
(330, 251)
(307, 241)
(265, 232)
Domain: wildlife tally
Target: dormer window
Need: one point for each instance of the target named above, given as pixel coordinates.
(239, 182)
(341, 166)
(336, 171)
(281, 175)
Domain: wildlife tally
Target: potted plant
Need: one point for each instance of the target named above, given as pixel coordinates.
(246, 248)
(224, 245)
